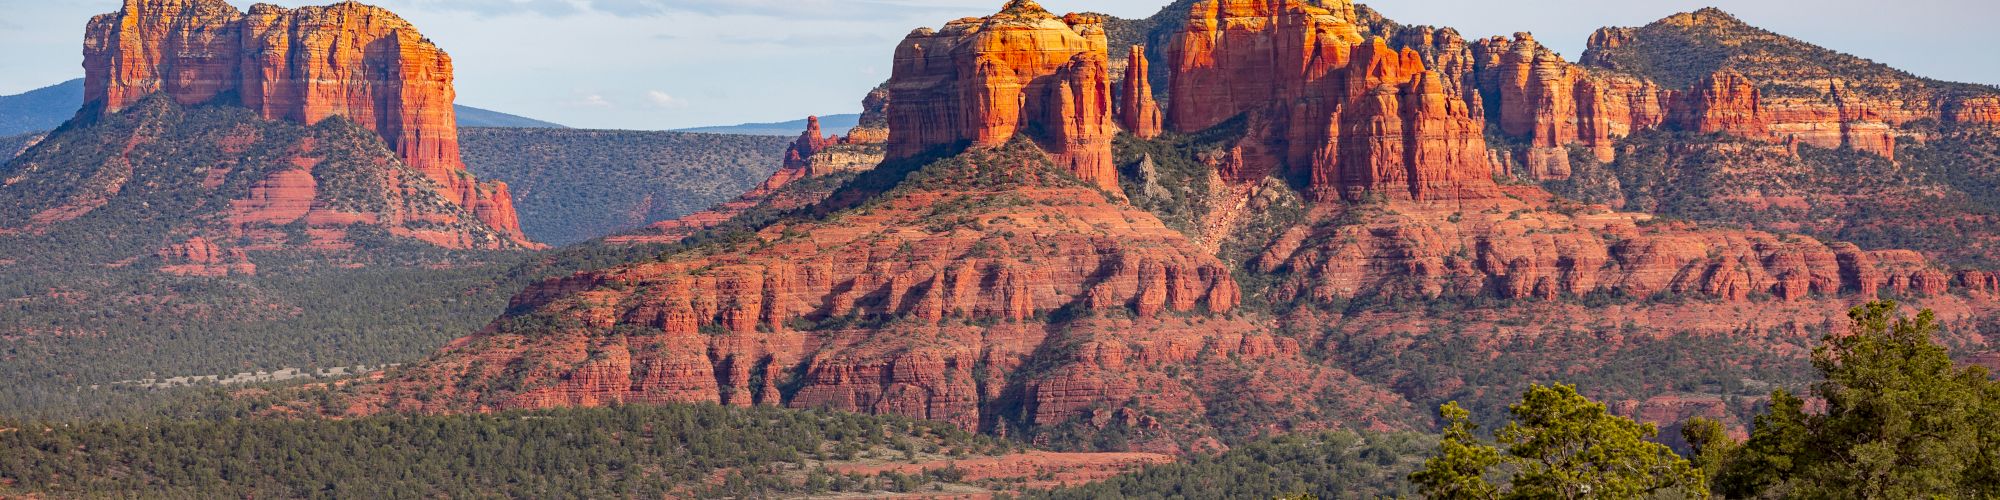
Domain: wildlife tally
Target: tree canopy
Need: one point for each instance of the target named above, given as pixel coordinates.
(1559, 445)
(1900, 421)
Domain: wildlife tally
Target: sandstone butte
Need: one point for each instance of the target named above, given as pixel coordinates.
(304, 65)
(1011, 292)
(1023, 71)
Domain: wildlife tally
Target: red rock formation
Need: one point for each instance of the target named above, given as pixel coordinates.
(189, 49)
(1356, 117)
(199, 257)
(995, 293)
(1810, 95)
(873, 128)
(810, 143)
(899, 309)
(1976, 110)
(1138, 112)
(1522, 249)
(1725, 102)
(1554, 104)
(305, 65)
(983, 81)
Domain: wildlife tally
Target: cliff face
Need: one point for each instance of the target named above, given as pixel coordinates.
(1536, 96)
(1321, 102)
(1530, 247)
(1805, 93)
(213, 190)
(989, 291)
(1702, 72)
(980, 82)
(1138, 112)
(304, 65)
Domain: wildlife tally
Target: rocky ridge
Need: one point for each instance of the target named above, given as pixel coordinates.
(1349, 220)
(989, 290)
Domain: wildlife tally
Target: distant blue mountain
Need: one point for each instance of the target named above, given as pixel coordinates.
(48, 107)
(469, 117)
(831, 124)
(41, 109)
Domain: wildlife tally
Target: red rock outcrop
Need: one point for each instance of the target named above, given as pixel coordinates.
(1976, 110)
(1538, 96)
(981, 82)
(1809, 95)
(928, 303)
(1528, 249)
(1534, 95)
(199, 257)
(1723, 103)
(188, 49)
(1354, 116)
(305, 65)
(810, 143)
(1138, 112)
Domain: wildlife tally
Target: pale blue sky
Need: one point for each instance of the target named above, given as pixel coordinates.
(661, 64)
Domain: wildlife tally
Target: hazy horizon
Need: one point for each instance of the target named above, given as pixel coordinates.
(668, 64)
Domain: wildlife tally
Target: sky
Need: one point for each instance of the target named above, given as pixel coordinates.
(666, 64)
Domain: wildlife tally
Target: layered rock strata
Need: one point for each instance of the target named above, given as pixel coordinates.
(993, 291)
(307, 64)
(980, 82)
(1806, 94)
(936, 301)
(1353, 116)
(1533, 247)
(1138, 112)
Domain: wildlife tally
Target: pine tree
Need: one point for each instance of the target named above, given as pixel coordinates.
(1559, 445)
(1901, 421)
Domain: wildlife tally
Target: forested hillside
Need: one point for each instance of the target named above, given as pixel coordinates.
(574, 185)
(631, 452)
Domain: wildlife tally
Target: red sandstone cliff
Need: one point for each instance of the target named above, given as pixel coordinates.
(1138, 112)
(305, 65)
(1354, 116)
(980, 82)
(937, 301)
(1804, 94)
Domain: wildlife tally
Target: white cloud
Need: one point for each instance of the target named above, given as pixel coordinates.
(665, 100)
(593, 101)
